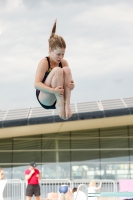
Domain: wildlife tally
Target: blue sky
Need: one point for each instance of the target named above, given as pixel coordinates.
(99, 38)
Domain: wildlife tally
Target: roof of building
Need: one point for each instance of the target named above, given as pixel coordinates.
(81, 111)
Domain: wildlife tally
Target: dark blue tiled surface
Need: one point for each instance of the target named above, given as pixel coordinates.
(11, 123)
(91, 115)
(41, 120)
(131, 110)
(116, 112)
(0, 124)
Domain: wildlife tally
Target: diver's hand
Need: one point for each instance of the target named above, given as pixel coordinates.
(59, 91)
(71, 85)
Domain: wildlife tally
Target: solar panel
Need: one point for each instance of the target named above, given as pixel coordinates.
(112, 104)
(39, 112)
(2, 115)
(87, 107)
(128, 101)
(17, 114)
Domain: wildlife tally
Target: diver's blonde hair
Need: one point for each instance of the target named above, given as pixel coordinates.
(92, 183)
(56, 41)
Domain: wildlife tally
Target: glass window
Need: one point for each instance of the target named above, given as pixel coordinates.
(115, 171)
(114, 132)
(6, 144)
(82, 156)
(64, 156)
(85, 170)
(113, 143)
(48, 144)
(131, 143)
(18, 171)
(131, 136)
(64, 144)
(48, 156)
(49, 171)
(85, 143)
(91, 156)
(5, 157)
(26, 143)
(26, 157)
(131, 155)
(130, 130)
(64, 170)
(114, 155)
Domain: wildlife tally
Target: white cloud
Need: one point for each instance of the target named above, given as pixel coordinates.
(105, 14)
(11, 5)
(99, 36)
(106, 42)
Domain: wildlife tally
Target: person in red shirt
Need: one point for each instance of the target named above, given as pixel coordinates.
(32, 176)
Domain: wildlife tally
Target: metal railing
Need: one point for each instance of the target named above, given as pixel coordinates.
(51, 185)
(107, 185)
(15, 188)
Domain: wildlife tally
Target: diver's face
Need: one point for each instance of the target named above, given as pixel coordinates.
(57, 54)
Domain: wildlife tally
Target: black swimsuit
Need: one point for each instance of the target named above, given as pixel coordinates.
(38, 91)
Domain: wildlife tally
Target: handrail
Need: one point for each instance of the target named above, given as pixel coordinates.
(86, 193)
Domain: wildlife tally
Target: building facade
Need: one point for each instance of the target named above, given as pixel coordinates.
(96, 147)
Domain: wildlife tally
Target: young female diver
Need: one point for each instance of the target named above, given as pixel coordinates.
(53, 79)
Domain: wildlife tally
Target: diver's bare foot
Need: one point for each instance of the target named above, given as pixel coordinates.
(68, 111)
(61, 110)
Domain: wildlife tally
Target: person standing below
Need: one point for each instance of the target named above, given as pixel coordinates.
(92, 189)
(32, 176)
(1, 174)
